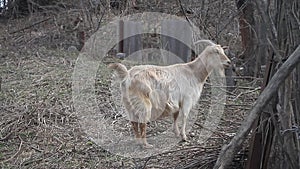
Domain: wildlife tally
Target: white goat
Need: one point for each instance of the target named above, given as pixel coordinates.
(150, 92)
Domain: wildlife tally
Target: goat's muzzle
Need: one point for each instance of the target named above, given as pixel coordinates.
(227, 64)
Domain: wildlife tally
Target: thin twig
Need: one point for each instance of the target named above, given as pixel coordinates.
(214, 131)
(25, 163)
(6, 137)
(145, 164)
(184, 13)
(246, 92)
(16, 154)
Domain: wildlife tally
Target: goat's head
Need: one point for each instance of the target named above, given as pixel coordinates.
(219, 56)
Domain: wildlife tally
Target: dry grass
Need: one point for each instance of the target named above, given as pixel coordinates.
(39, 128)
(38, 125)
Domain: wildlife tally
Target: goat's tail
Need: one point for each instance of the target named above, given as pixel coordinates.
(121, 70)
(155, 97)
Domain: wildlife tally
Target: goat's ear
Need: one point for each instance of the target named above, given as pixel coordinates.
(216, 49)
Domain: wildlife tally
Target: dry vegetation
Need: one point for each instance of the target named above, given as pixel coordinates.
(38, 127)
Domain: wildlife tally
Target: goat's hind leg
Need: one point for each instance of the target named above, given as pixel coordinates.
(145, 118)
(143, 135)
(135, 126)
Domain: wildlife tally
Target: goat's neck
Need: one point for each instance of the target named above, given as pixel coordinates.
(200, 68)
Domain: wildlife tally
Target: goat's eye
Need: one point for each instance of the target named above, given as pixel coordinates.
(217, 51)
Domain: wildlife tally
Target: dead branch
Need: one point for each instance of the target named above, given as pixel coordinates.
(214, 131)
(246, 92)
(27, 27)
(228, 151)
(246, 77)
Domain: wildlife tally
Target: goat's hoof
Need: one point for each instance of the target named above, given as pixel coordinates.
(184, 138)
(147, 146)
(177, 133)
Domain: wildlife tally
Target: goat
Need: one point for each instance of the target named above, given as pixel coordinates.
(150, 92)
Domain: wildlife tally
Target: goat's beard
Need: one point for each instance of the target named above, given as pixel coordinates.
(221, 72)
(217, 77)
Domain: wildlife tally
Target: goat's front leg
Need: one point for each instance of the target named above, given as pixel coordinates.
(143, 135)
(186, 107)
(183, 135)
(175, 125)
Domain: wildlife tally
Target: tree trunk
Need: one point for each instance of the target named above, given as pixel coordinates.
(288, 38)
(247, 29)
(277, 142)
(228, 151)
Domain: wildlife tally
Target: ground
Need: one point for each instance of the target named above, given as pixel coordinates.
(40, 129)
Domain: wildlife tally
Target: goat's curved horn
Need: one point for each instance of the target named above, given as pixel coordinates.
(225, 47)
(205, 41)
